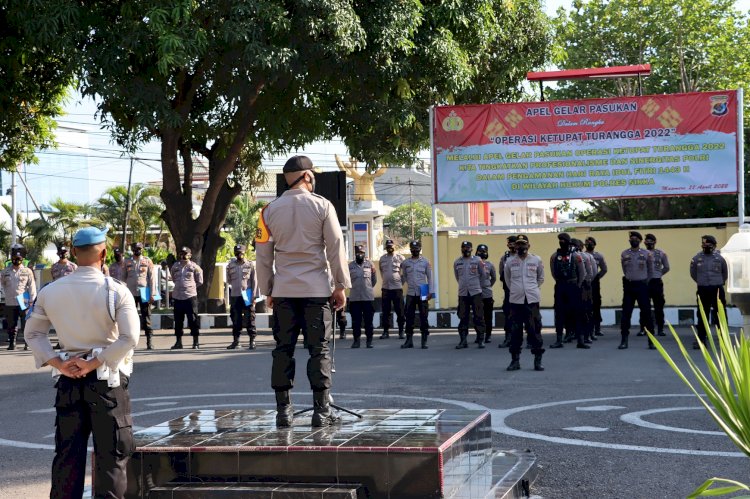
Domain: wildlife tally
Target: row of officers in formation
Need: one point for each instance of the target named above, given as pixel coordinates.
(576, 267)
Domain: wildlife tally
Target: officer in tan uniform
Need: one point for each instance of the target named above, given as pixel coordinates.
(96, 319)
(298, 238)
(139, 273)
(17, 279)
(241, 277)
(187, 277)
(117, 268)
(63, 266)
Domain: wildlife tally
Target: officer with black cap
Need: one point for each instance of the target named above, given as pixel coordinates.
(568, 271)
(656, 285)
(139, 275)
(596, 290)
(63, 266)
(637, 270)
(97, 323)
(490, 277)
(709, 271)
(524, 274)
(417, 273)
(362, 296)
(302, 269)
(469, 273)
(511, 241)
(391, 290)
(187, 277)
(19, 287)
(243, 291)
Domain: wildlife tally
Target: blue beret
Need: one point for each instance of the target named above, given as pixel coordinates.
(89, 235)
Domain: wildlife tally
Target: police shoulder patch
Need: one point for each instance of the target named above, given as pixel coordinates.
(262, 234)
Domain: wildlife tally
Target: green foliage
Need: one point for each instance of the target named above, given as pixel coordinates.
(144, 212)
(695, 46)
(726, 386)
(33, 86)
(406, 220)
(226, 252)
(242, 219)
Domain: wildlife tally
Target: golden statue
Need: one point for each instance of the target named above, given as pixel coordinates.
(364, 183)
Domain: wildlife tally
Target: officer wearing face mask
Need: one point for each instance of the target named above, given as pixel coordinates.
(139, 274)
(568, 271)
(417, 273)
(117, 268)
(187, 277)
(63, 266)
(392, 289)
(490, 277)
(709, 271)
(511, 244)
(17, 280)
(637, 270)
(469, 272)
(586, 317)
(362, 296)
(596, 292)
(656, 285)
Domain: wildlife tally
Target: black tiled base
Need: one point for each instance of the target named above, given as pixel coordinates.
(427, 453)
(257, 491)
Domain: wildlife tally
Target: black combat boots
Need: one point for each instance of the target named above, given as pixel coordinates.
(323, 415)
(462, 343)
(558, 343)
(514, 365)
(149, 345)
(424, 342)
(284, 410)
(408, 343)
(177, 344)
(235, 342)
(480, 341)
(355, 343)
(624, 342)
(538, 362)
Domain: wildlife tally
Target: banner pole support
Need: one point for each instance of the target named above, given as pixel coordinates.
(435, 266)
(740, 157)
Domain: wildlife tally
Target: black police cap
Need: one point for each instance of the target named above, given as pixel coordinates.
(466, 243)
(389, 242)
(590, 238)
(651, 237)
(483, 247)
(415, 245)
(563, 236)
(522, 238)
(359, 249)
(239, 247)
(709, 239)
(635, 233)
(299, 164)
(512, 239)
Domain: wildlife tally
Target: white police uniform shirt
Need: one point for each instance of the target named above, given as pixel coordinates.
(77, 308)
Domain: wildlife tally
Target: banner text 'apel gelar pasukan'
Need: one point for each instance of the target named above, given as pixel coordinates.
(657, 145)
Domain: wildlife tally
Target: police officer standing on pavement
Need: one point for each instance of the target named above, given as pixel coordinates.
(586, 318)
(506, 291)
(17, 279)
(469, 272)
(362, 296)
(63, 266)
(241, 277)
(709, 270)
(596, 290)
(417, 273)
(96, 320)
(140, 274)
(490, 277)
(392, 292)
(117, 268)
(568, 271)
(637, 269)
(524, 274)
(298, 240)
(187, 277)
(656, 285)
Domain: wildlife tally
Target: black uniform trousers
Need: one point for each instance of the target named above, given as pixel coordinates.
(412, 304)
(568, 308)
(489, 308)
(392, 298)
(362, 311)
(632, 292)
(525, 314)
(14, 315)
(239, 313)
(466, 304)
(596, 303)
(587, 308)
(313, 317)
(145, 312)
(656, 295)
(186, 308)
(86, 407)
(709, 297)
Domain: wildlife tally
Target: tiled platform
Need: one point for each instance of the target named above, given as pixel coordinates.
(391, 453)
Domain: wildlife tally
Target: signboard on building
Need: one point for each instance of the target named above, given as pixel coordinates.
(658, 145)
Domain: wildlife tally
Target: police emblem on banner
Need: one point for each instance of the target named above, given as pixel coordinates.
(719, 105)
(453, 123)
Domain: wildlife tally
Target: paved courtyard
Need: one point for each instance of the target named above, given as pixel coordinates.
(604, 423)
